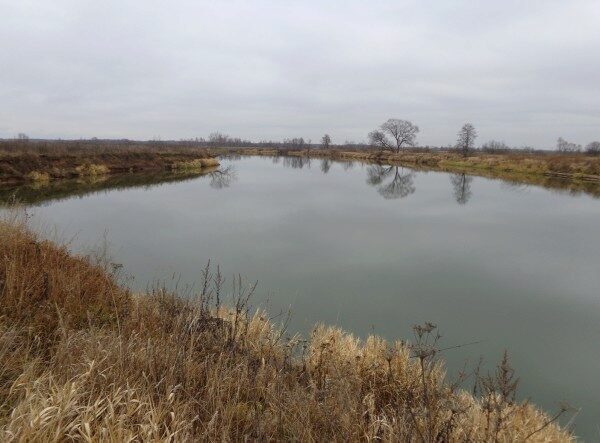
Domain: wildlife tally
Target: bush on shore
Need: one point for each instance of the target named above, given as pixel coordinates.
(81, 358)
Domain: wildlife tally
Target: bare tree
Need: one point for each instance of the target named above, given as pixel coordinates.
(218, 139)
(325, 141)
(495, 147)
(394, 135)
(295, 143)
(466, 139)
(564, 146)
(400, 186)
(593, 148)
(23, 137)
(462, 187)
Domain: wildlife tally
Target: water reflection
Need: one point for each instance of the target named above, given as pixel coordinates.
(326, 165)
(515, 187)
(42, 193)
(400, 186)
(347, 165)
(462, 187)
(486, 273)
(222, 177)
(391, 182)
(296, 162)
(231, 156)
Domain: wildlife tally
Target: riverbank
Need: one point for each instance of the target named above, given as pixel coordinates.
(36, 193)
(83, 358)
(40, 162)
(577, 168)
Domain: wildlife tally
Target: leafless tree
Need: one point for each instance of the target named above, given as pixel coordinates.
(23, 137)
(394, 135)
(564, 146)
(495, 147)
(462, 187)
(466, 139)
(295, 143)
(218, 139)
(593, 148)
(400, 186)
(325, 141)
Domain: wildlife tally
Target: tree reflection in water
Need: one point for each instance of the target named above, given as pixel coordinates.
(462, 187)
(325, 165)
(296, 162)
(347, 165)
(222, 177)
(400, 186)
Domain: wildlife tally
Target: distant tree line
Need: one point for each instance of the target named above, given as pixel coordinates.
(565, 146)
(394, 135)
(397, 135)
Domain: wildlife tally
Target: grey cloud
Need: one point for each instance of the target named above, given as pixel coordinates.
(523, 72)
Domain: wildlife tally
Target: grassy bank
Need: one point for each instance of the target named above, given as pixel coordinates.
(82, 358)
(576, 168)
(41, 162)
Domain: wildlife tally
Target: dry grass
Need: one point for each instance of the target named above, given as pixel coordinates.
(28, 161)
(38, 177)
(195, 165)
(83, 359)
(91, 170)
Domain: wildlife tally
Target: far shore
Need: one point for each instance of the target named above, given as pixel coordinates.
(39, 162)
(512, 165)
(42, 162)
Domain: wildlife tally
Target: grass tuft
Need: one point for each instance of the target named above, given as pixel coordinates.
(92, 170)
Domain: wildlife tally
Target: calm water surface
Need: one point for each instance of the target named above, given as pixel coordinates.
(378, 249)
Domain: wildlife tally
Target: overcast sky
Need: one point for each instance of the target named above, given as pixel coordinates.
(525, 72)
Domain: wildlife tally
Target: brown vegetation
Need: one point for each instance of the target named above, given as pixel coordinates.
(83, 359)
(29, 161)
(578, 168)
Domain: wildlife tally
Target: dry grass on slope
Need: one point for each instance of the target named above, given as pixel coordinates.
(43, 161)
(82, 359)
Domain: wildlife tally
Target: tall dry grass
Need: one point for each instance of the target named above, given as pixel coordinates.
(83, 359)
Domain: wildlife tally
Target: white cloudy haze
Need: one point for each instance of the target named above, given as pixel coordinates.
(525, 72)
